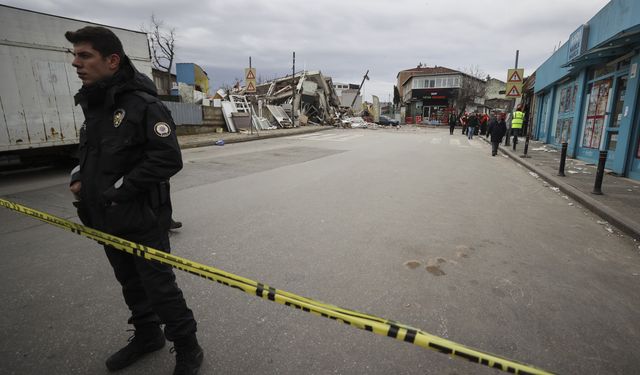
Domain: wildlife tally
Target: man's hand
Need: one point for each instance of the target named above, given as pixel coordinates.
(75, 189)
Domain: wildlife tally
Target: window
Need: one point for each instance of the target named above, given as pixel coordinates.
(597, 101)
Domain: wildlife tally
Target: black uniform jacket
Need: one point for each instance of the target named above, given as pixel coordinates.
(128, 151)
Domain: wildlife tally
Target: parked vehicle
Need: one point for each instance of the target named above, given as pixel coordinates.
(38, 82)
(385, 120)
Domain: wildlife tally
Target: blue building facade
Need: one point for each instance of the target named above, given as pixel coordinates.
(587, 92)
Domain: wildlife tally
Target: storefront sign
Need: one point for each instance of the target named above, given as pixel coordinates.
(431, 94)
(578, 42)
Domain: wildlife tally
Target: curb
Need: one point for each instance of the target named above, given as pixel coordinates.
(248, 138)
(623, 223)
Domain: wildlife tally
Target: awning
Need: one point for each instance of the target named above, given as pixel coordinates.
(618, 45)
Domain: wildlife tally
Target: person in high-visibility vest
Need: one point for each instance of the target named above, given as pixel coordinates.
(516, 125)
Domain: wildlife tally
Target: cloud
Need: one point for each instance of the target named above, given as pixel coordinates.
(344, 38)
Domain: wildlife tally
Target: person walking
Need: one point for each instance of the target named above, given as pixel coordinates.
(484, 122)
(496, 130)
(472, 124)
(128, 151)
(516, 125)
(464, 120)
(452, 122)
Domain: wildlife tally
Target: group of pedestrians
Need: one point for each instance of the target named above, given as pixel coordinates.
(472, 123)
(494, 126)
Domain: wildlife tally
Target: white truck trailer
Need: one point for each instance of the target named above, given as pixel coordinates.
(37, 82)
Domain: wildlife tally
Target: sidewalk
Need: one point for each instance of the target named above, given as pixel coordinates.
(210, 139)
(620, 202)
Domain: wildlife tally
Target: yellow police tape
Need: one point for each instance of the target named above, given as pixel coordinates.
(366, 322)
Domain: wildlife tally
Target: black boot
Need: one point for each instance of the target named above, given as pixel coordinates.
(175, 224)
(189, 355)
(146, 339)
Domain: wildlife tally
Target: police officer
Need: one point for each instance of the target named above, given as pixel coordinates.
(516, 125)
(128, 151)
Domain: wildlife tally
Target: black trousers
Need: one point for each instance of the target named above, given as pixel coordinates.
(494, 148)
(151, 292)
(451, 128)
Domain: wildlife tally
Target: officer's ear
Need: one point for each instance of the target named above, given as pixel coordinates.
(113, 61)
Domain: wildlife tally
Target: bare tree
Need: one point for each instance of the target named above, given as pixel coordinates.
(472, 87)
(162, 42)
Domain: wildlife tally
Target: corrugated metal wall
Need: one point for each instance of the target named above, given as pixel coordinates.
(185, 113)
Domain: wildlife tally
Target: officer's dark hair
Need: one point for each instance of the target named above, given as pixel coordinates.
(101, 39)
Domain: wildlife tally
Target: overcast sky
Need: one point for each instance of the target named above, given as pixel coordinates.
(344, 38)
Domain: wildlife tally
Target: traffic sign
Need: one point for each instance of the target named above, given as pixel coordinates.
(251, 86)
(514, 90)
(249, 73)
(250, 79)
(515, 75)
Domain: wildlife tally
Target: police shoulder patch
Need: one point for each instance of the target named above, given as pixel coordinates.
(118, 116)
(162, 129)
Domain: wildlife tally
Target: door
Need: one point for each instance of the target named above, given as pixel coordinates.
(596, 115)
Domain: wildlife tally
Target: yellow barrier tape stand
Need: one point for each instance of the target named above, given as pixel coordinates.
(377, 325)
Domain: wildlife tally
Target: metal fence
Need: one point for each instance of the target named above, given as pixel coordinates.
(185, 113)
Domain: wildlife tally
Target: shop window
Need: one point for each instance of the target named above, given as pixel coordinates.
(563, 130)
(565, 108)
(594, 125)
(624, 63)
(619, 101)
(604, 70)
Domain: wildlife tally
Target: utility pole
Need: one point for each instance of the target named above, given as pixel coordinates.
(293, 88)
(513, 105)
(251, 127)
(366, 76)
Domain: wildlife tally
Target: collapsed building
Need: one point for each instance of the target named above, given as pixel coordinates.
(308, 96)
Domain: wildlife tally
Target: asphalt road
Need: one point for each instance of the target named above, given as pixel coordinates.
(413, 225)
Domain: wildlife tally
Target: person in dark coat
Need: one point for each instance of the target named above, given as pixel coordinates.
(452, 122)
(128, 151)
(497, 129)
(472, 125)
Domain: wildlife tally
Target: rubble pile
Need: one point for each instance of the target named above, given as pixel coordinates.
(310, 93)
(315, 102)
